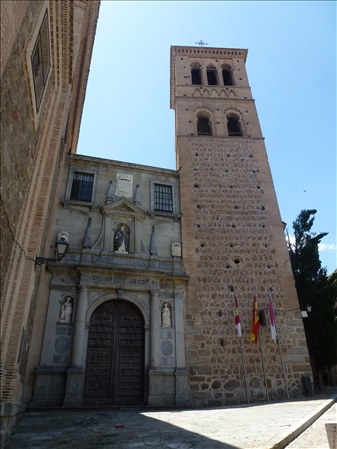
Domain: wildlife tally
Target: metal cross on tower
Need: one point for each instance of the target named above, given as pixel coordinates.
(201, 43)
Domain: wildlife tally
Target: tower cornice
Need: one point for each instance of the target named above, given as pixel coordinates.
(208, 52)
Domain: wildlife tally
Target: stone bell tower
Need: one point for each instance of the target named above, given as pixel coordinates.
(232, 235)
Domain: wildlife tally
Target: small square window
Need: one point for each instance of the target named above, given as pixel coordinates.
(163, 198)
(40, 60)
(82, 186)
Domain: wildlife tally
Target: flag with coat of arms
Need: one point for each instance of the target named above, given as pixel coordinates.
(237, 317)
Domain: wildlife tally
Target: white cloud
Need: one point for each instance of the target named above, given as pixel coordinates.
(321, 246)
(327, 246)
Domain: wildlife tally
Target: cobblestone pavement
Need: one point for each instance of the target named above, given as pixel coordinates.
(321, 434)
(253, 426)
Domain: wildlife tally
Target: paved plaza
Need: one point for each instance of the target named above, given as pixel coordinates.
(266, 425)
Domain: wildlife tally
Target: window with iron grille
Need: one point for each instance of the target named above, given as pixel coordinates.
(41, 61)
(163, 198)
(82, 185)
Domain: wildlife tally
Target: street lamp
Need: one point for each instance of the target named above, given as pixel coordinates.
(61, 250)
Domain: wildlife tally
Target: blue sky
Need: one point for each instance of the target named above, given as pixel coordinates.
(291, 68)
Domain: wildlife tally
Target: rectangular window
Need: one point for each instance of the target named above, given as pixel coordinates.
(81, 189)
(41, 61)
(163, 198)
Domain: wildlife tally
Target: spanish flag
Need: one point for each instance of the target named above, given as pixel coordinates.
(254, 333)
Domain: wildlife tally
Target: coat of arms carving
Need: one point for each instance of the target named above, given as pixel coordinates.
(124, 185)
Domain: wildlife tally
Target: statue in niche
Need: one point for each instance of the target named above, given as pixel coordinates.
(121, 240)
(66, 311)
(165, 316)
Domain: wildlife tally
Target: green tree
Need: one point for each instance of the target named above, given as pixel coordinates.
(316, 289)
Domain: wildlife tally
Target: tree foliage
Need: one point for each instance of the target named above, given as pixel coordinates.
(314, 288)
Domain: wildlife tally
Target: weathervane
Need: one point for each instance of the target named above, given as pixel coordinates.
(201, 43)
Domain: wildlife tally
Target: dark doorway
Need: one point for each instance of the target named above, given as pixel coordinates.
(115, 356)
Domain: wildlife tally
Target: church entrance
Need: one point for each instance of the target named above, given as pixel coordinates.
(115, 356)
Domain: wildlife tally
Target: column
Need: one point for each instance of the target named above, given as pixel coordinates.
(79, 328)
(75, 373)
(155, 373)
(155, 332)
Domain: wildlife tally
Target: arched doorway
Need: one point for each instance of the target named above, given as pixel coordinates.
(115, 355)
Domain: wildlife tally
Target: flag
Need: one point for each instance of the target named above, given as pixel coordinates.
(237, 317)
(272, 319)
(254, 333)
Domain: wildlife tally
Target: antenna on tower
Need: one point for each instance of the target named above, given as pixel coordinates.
(201, 43)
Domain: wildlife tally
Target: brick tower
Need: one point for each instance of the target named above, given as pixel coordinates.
(232, 236)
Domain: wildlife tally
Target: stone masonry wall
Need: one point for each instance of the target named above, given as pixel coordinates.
(233, 237)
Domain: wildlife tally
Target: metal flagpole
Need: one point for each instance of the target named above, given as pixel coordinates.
(279, 347)
(244, 369)
(264, 368)
(241, 345)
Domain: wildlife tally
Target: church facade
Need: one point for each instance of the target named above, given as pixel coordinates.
(141, 309)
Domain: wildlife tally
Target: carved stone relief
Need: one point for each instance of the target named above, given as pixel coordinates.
(124, 185)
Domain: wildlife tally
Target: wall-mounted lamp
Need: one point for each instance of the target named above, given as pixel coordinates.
(307, 310)
(61, 250)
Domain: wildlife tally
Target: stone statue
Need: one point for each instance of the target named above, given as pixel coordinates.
(165, 316)
(66, 311)
(121, 240)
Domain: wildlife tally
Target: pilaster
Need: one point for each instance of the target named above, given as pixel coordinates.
(75, 373)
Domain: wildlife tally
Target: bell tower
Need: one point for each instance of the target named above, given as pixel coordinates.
(232, 234)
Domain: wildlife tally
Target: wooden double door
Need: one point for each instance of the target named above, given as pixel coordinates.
(115, 356)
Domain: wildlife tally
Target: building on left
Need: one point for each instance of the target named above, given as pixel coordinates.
(46, 50)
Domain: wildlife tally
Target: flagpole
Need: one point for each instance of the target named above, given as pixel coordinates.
(244, 369)
(264, 368)
(242, 349)
(279, 347)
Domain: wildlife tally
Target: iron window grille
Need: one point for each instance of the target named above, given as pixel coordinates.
(82, 186)
(163, 198)
(41, 61)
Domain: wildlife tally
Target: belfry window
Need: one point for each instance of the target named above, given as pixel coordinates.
(233, 126)
(40, 60)
(204, 126)
(82, 186)
(227, 75)
(163, 198)
(211, 76)
(196, 73)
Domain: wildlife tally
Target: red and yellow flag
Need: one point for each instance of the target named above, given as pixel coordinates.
(254, 333)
